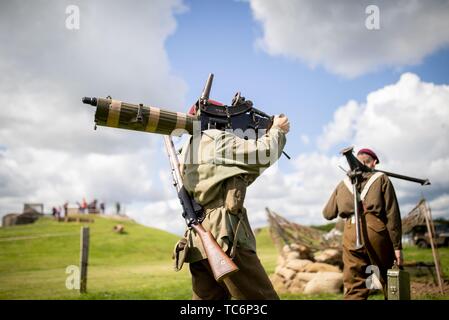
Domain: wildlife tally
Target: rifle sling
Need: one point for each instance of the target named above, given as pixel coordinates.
(235, 240)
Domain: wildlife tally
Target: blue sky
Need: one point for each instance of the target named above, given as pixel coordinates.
(220, 37)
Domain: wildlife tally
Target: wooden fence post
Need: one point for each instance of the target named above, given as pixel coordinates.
(436, 256)
(84, 257)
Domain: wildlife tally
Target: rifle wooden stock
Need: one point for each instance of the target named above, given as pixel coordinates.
(221, 265)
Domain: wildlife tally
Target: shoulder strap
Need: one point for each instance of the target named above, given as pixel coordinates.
(185, 156)
(368, 185)
(235, 240)
(348, 184)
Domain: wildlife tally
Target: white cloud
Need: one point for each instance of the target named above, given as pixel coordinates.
(440, 205)
(164, 214)
(333, 33)
(48, 175)
(406, 123)
(342, 126)
(49, 151)
(305, 139)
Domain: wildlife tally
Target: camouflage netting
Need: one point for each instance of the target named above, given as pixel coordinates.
(285, 232)
(416, 217)
(310, 260)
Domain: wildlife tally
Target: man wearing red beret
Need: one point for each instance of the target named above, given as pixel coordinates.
(380, 228)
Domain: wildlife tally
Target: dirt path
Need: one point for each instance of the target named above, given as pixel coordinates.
(428, 288)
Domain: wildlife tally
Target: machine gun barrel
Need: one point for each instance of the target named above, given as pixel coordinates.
(356, 165)
(423, 182)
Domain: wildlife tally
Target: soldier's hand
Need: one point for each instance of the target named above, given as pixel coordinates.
(399, 257)
(281, 121)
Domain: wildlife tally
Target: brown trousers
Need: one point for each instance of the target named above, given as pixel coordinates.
(377, 251)
(249, 283)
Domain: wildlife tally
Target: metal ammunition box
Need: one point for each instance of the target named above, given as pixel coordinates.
(398, 284)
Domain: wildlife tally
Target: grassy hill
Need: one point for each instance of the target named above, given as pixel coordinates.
(137, 264)
(134, 265)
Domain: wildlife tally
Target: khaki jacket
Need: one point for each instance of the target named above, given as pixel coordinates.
(206, 164)
(380, 205)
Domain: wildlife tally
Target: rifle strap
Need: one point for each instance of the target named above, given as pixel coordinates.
(235, 240)
(367, 186)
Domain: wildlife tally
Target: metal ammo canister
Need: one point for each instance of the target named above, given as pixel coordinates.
(398, 282)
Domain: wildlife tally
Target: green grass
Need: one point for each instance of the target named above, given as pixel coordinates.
(425, 255)
(134, 265)
(325, 227)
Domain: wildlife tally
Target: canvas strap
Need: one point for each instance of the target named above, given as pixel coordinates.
(367, 186)
(235, 241)
(365, 190)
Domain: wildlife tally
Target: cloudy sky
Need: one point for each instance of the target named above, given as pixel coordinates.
(339, 82)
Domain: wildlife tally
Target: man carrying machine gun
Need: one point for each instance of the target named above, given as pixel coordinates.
(380, 223)
(232, 147)
(216, 172)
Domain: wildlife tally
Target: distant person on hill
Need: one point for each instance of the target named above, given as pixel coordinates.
(66, 207)
(93, 206)
(84, 205)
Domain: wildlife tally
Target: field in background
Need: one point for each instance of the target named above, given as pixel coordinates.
(133, 265)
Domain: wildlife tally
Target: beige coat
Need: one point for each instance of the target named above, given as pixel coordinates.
(380, 206)
(207, 163)
(380, 230)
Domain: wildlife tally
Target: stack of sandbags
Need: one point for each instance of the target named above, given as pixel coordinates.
(329, 256)
(300, 271)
